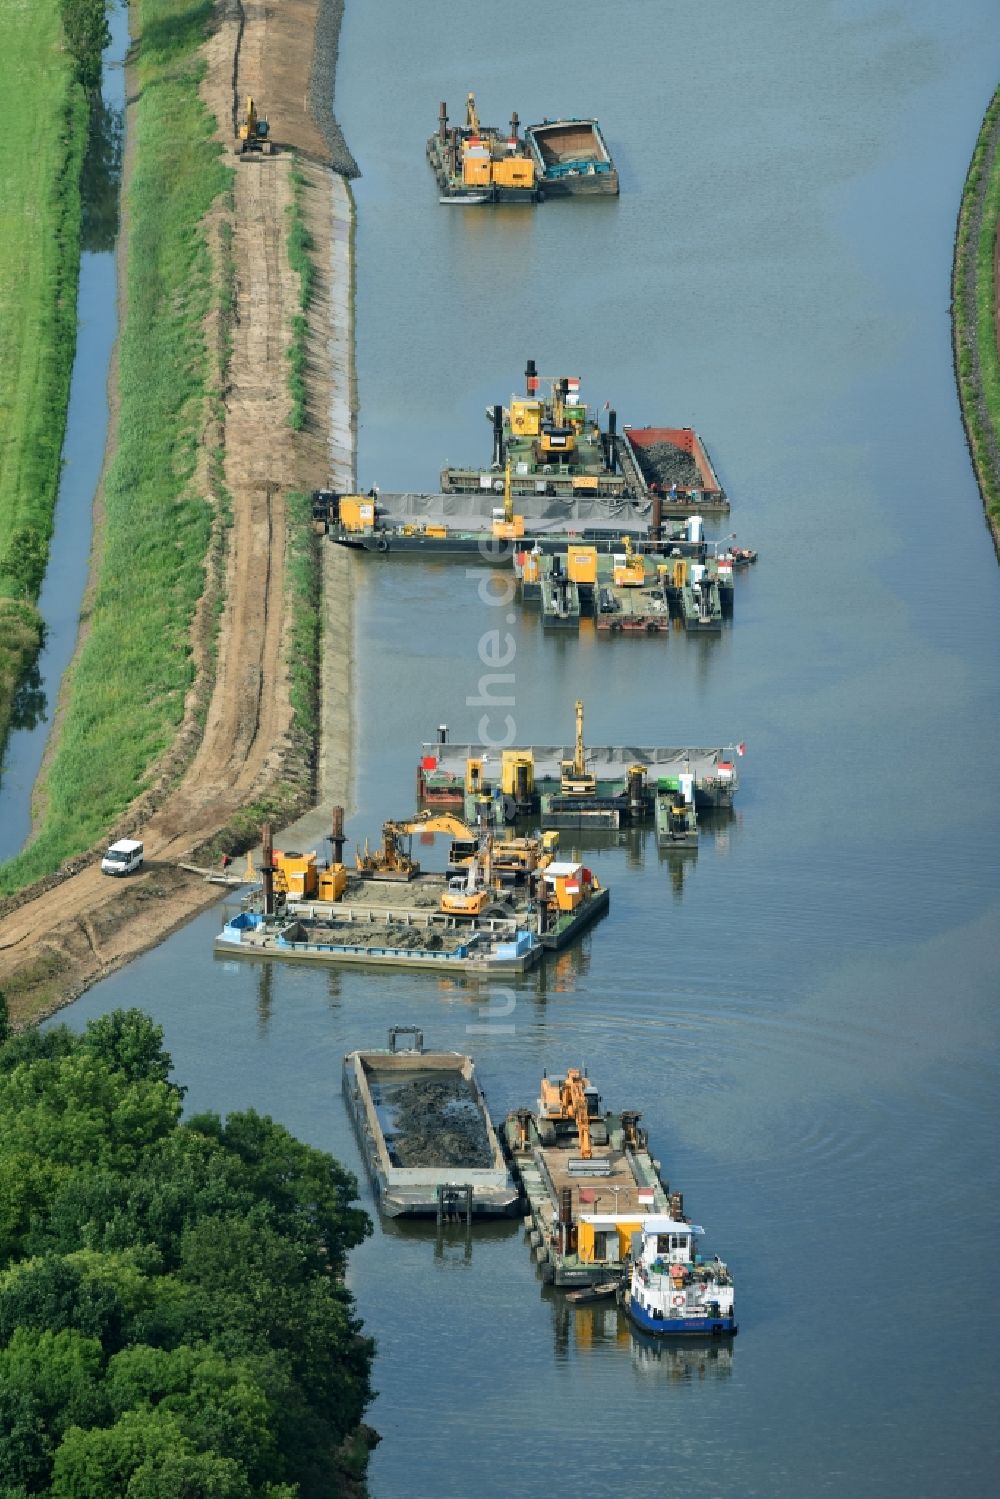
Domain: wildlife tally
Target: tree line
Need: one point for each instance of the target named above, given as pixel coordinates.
(173, 1316)
(85, 25)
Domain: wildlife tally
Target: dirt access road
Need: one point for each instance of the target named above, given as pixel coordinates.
(54, 946)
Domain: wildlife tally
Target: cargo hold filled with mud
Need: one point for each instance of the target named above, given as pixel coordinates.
(426, 1134)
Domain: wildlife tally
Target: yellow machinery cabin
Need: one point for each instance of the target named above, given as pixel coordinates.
(557, 442)
(508, 530)
(568, 884)
(296, 875)
(476, 166)
(530, 570)
(680, 572)
(605, 1238)
(517, 773)
(581, 564)
(357, 512)
(525, 418)
(474, 777)
(628, 570)
(514, 171)
(332, 882)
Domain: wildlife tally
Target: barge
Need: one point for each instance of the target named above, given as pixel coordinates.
(475, 163)
(588, 1178)
(502, 904)
(599, 1214)
(425, 1132)
(571, 159)
(620, 781)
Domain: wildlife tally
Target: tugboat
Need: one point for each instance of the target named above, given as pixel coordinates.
(672, 1291)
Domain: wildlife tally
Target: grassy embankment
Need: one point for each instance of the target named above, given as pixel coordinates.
(975, 309)
(44, 137)
(126, 695)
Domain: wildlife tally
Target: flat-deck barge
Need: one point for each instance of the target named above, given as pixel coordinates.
(588, 1178)
(486, 915)
(530, 779)
(425, 1132)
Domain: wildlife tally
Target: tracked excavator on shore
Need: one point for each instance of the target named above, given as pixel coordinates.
(253, 132)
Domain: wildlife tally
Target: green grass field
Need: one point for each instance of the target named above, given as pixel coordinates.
(44, 135)
(127, 689)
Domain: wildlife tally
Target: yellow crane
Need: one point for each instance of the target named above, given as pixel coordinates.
(471, 115)
(511, 526)
(575, 779)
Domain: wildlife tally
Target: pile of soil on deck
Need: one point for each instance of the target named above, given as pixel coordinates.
(437, 1123)
(664, 464)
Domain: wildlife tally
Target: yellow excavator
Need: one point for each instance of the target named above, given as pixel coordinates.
(395, 861)
(570, 1100)
(253, 133)
(574, 778)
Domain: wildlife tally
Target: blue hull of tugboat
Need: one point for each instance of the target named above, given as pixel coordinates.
(695, 1327)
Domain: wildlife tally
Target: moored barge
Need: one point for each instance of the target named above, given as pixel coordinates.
(588, 1177)
(425, 1132)
(572, 159)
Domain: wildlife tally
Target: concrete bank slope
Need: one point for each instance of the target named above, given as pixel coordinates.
(58, 939)
(976, 313)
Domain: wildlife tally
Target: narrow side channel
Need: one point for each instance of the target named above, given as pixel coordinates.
(83, 449)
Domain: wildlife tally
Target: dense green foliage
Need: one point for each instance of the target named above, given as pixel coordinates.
(975, 308)
(127, 689)
(85, 26)
(45, 130)
(173, 1319)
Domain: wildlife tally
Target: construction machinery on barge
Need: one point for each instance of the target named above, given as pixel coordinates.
(599, 1214)
(578, 785)
(559, 472)
(476, 164)
(502, 904)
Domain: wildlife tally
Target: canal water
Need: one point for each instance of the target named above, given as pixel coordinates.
(805, 1010)
(83, 448)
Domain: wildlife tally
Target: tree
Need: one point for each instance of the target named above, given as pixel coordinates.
(4, 1019)
(145, 1455)
(48, 1382)
(173, 1316)
(85, 24)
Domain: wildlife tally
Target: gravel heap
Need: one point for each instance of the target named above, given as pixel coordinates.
(668, 465)
(321, 85)
(437, 1123)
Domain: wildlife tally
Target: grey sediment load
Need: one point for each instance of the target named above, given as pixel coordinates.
(326, 45)
(436, 1121)
(665, 464)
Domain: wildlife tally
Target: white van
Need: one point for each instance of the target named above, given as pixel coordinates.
(123, 857)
